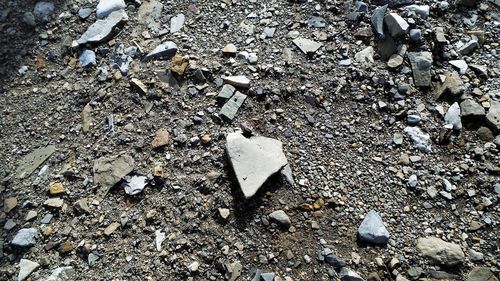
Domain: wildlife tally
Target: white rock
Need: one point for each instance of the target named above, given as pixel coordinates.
(134, 185)
(307, 46)
(159, 238)
(365, 56)
(396, 25)
(26, 267)
(176, 23)
(254, 160)
(440, 252)
(240, 81)
(106, 7)
(453, 116)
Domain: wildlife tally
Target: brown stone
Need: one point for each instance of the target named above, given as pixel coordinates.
(162, 138)
(56, 188)
(9, 204)
(111, 228)
(66, 247)
(179, 65)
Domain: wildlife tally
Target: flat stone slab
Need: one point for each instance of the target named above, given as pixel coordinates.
(440, 252)
(307, 46)
(101, 29)
(108, 171)
(33, 160)
(254, 160)
(165, 50)
(421, 64)
(231, 107)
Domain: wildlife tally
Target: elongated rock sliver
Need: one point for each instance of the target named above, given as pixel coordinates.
(254, 160)
(165, 50)
(101, 29)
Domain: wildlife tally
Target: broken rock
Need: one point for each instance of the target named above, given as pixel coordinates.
(31, 161)
(307, 46)
(254, 160)
(110, 170)
(231, 107)
(372, 229)
(101, 29)
(396, 25)
(163, 51)
(26, 267)
(106, 7)
(421, 63)
(239, 81)
(440, 252)
(134, 185)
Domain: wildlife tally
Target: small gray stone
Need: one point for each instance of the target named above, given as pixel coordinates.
(372, 229)
(460, 65)
(421, 10)
(25, 237)
(267, 276)
(280, 217)
(377, 20)
(396, 25)
(307, 46)
(176, 23)
(30, 162)
(226, 92)
(365, 56)
(471, 109)
(134, 185)
(440, 252)
(101, 29)
(493, 116)
(108, 171)
(231, 107)
(468, 47)
(165, 50)
(84, 13)
(415, 35)
(87, 58)
(238, 81)
(348, 275)
(452, 116)
(421, 64)
(43, 10)
(106, 7)
(46, 219)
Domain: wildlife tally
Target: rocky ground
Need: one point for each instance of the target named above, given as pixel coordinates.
(250, 140)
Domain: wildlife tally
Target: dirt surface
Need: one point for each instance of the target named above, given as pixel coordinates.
(338, 124)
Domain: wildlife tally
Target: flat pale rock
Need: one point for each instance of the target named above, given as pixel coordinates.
(161, 139)
(176, 23)
(254, 160)
(108, 171)
(106, 7)
(25, 237)
(101, 29)
(440, 252)
(307, 46)
(33, 160)
(239, 81)
(26, 267)
(421, 64)
(9, 204)
(165, 50)
(481, 274)
(111, 228)
(54, 203)
(493, 116)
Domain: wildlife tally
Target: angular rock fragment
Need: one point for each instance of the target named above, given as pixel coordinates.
(420, 139)
(440, 36)
(348, 275)
(396, 25)
(179, 65)
(226, 92)
(101, 29)
(110, 170)
(106, 7)
(481, 274)
(87, 58)
(493, 116)
(161, 139)
(421, 63)
(460, 65)
(377, 20)
(137, 84)
(26, 267)
(134, 185)
(239, 81)
(365, 56)
(468, 47)
(453, 116)
(440, 252)
(43, 10)
(30, 162)
(480, 70)
(254, 160)
(150, 13)
(24, 238)
(307, 46)
(56, 203)
(230, 108)
(9, 204)
(66, 273)
(471, 110)
(452, 84)
(421, 10)
(176, 23)
(165, 50)
(372, 229)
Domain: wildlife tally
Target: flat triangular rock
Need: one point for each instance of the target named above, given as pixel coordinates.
(254, 160)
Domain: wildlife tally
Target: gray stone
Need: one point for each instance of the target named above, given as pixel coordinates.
(226, 92)
(26, 267)
(307, 46)
(30, 215)
(471, 109)
(176, 23)
(421, 10)
(239, 81)
(9, 224)
(286, 173)
(56, 203)
(84, 13)
(365, 56)
(134, 185)
(92, 259)
(106, 7)
(440, 35)
(25, 237)
(46, 219)
(440, 252)
(493, 116)
(421, 64)
(396, 25)
(269, 31)
(480, 70)
(413, 119)
(43, 10)
(335, 261)
(280, 217)
(30, 162)
(372, 229)
(87, 58)
(377, 20)
(452, 84)
(468, 47)
(29, 19)
(415, 35)
(101, 29)
(150, 13)
(349, 275)
(481, 274)
(386, 47)
(395, 61)
(231, 107)
(66, 273)
(267, 276)
(475, 256)
(254, 160)
(460, 65)
(452, 116)
(165, 50)
(420, 139)
(108, 171)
